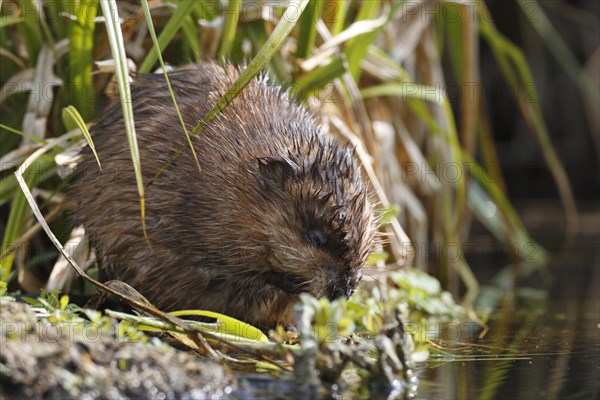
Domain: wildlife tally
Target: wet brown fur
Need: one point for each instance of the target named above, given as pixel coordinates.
(225, 238)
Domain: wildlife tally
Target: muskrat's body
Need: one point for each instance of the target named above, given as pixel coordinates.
(277, 208)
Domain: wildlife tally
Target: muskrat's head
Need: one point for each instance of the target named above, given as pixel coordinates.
(318, 221)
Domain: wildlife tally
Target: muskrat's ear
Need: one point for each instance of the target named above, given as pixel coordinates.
(274, 172)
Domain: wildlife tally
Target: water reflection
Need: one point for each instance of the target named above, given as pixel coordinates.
(541, 344)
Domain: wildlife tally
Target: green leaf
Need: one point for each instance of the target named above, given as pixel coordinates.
(71, 119)
(228, 325)
(388, 214)
(64, 302)
(376, 257)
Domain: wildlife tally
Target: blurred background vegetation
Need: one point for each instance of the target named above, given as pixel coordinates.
(459, 110)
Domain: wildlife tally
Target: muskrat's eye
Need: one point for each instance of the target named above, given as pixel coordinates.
(317, 238)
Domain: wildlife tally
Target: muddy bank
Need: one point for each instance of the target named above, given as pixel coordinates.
(70, 360)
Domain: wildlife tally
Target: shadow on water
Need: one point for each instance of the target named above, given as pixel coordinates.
(543, 340)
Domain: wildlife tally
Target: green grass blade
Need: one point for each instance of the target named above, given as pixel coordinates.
(497, 196)
(276, 68)
(72, 119)
(454, 44)
(308, 28)
(228, 325)
(339, 17)
(26, 177)
(48, 36)
(463, 51)
(80, 57)
(560, 50)
(115, 36)
(483, 206)
(8, 20)
(232, 15)
(357, 47)
(44, 169)
(518, 76)
(146, 9)
(24, 134)
(207, 10)
(267, 51)
(184, 9)
(9, 186)
(30, 29)
(404, 90)
(319, 78)
(54, 15)
(16, 218)
(190, 34)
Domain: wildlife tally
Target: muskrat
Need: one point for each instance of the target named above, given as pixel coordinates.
(277, 207)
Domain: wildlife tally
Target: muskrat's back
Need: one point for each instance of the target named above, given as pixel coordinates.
(277, 208)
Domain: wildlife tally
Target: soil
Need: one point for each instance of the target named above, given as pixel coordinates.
(40, 360)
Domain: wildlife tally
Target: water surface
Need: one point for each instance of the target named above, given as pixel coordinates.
(543, 340)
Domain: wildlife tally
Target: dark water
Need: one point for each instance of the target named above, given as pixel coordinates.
(543, 340)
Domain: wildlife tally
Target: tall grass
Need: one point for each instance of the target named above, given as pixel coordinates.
(372, 71)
